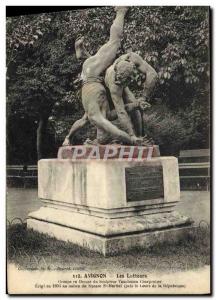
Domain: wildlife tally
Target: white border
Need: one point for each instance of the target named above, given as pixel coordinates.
(3, 4)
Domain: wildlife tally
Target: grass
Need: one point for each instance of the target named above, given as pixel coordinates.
(32, 250)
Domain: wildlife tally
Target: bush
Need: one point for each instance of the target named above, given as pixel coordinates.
(167, 129)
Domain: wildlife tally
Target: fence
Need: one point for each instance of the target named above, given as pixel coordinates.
(22, 175)
(194, 171)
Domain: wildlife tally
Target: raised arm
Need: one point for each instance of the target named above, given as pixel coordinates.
(150, 73)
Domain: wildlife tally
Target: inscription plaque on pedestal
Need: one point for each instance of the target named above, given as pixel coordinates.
(144, 183)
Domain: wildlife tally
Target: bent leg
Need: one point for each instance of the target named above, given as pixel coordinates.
(102, 136)
(99, 121)
(75, 127)
(95, 112)
(135, 115)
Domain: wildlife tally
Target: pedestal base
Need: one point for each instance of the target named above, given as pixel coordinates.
(109, 236)
(109, 206)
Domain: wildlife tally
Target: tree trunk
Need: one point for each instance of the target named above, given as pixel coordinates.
(41, 133)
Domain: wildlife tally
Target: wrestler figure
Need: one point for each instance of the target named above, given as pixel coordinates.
(94, 97)
(117, 78)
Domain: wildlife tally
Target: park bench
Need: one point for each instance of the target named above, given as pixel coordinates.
(22, 175)
(194, 169)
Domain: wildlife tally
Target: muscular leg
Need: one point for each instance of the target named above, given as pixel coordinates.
(107, 53)
(97, 119)
(102, 136)
(135, 115)
(75, 127)
(102, 123)
(94, 66)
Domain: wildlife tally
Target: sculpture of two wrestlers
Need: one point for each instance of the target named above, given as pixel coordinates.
(118, 75)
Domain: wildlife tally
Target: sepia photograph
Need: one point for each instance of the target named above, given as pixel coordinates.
(108, 150)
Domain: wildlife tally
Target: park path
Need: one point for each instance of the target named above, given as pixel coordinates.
(195, 204)
(20, 202)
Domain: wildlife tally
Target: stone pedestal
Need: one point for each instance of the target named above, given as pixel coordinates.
(109, 206)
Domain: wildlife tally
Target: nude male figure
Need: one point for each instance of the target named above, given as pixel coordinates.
(117, 78)
(94, 97)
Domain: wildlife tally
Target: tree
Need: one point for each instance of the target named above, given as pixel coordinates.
(40, 72)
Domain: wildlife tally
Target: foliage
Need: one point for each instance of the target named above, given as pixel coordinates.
(175, 41)
(167, 129)
(42, 74)
(196, 118)
(23, 32)
(42, 69)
